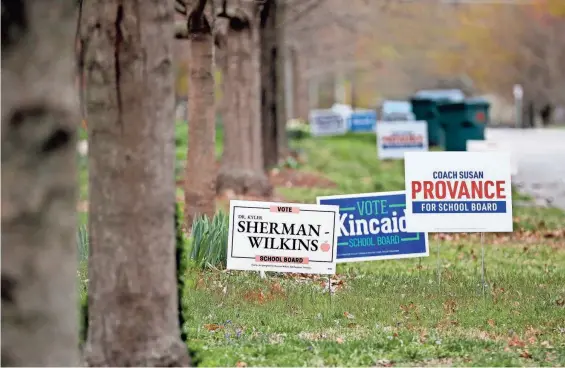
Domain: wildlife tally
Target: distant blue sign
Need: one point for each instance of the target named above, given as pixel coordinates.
(362, 121)
(373, 227)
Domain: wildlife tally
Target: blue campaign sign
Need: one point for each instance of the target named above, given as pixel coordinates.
(372, 226)
(362, 121)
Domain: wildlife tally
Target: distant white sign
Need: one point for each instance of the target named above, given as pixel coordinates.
(518, 92)
(327, 122)
(394, 138)
(458, 192)
(282, 237)
(492, 146)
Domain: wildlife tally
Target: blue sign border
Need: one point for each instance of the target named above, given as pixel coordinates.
(411, 235)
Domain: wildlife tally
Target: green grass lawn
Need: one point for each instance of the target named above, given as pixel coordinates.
(392, 312)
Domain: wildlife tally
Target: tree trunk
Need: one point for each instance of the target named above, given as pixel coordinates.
(39, 121)
(282, 54)
(242, 165)
(132, 284)
(200, 177)
(272, 84)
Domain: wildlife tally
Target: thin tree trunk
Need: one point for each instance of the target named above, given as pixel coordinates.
(200, 176)
(39, 121)
(269, 81)
(242, 165)
(272, 84)
(280, 71)
(132, 285)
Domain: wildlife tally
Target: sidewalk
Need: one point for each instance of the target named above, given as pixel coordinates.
(541, 161)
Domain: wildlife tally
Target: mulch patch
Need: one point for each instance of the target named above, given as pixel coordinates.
(285, 177)
(293, 178)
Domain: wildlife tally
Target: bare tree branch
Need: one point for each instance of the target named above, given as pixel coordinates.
(302, 13)
(180, 7)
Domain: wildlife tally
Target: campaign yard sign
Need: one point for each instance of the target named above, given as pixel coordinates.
(282, 237)
(372, 226)
(458, 191)
(327, 122)
(362, 121)
(396, 137)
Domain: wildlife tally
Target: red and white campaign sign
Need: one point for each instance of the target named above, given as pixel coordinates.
(282, 237)
(458, 192)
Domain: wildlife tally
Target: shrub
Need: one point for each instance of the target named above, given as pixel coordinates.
(208, 241)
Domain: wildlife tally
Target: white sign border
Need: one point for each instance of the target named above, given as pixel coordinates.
(401, 151)
(510, 209)
(321, 112)
(266, 205)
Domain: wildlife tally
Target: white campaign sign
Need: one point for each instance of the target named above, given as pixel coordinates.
(327, 122)
(491, 146)
(458, 192)
(396, 137)
(282, 237)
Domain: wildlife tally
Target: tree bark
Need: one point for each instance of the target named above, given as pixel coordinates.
(282, 55)
(132, 283)
(39, 121)
(242, 168)
(200, 176)
(272, 84)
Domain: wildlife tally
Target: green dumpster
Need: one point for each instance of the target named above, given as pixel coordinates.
(426, 109)
(463, 121)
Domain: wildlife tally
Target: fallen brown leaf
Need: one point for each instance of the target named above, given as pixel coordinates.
(525, 354)
(348, 315)
(515, 341)
(449, 306)
(491, 322)
(213, 327)
(241, 364)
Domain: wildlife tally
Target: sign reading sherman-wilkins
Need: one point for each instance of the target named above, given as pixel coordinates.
(282, 237)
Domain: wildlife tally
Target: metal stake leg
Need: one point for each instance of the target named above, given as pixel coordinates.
(483, 262)
(438, 267)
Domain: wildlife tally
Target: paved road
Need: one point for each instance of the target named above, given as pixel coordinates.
(540, 154)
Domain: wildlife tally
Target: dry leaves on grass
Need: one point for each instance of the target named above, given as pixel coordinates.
(515, 341)
(337, 282)
(524, 353)
(348, 315)
(410, 309)
(275, 291)
(213, 327)
(450, 306)
(241, 364)
(491, 322)
(555, 236)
